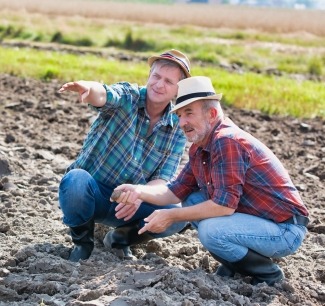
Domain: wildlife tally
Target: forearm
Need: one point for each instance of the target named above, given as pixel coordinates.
(158, 194)
(200, 211)
(97, 94)
(156, 182)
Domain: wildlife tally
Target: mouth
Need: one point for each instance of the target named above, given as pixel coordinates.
(157, 92)
(188, 130)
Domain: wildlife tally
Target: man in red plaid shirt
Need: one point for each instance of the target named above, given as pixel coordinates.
(233, 190)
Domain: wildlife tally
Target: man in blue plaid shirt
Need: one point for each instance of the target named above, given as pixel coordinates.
(134, 139)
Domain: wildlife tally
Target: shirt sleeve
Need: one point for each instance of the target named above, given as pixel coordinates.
(119, 95)
(229, 163)
(185, 184)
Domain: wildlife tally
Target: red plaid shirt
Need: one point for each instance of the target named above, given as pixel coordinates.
(238, 171)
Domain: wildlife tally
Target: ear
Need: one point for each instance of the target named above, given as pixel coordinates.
(213, 114)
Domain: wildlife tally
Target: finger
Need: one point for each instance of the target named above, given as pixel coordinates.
(143, 229)
(124, 197)
(127, 218)
(64, 87)
(130, 213)
(119, 206)
(124, 211)
(149, 218)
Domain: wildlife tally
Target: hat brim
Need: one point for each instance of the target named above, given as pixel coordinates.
(189, 101)
(154, 58)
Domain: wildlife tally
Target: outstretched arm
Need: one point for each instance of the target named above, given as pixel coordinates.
(90, 92)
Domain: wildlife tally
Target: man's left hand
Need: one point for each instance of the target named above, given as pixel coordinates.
(158, 221)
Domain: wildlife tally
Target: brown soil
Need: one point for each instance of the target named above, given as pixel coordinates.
(41, 132)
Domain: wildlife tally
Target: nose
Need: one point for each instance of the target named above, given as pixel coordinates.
(160, 83)
(182, 122)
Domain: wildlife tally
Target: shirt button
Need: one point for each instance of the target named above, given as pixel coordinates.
(208, 183)
(203, 163)
(135, 158)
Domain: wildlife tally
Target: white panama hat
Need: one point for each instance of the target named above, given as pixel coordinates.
(193, 89)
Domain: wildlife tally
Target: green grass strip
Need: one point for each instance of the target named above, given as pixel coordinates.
(272, 95)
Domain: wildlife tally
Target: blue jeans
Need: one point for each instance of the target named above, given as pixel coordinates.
(230, 237)
(81, 198)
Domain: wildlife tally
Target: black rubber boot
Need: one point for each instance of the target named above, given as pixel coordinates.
(83, 239)
(261, 268)
(225, 269)
(125, 235)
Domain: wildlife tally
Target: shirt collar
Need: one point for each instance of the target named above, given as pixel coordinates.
(142, 99)
(169, 118)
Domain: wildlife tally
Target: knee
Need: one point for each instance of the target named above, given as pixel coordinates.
(73, 180)
(209, 235)
(73, 187)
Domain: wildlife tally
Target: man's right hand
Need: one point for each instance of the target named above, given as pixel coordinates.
(81, 87)
(90, 92)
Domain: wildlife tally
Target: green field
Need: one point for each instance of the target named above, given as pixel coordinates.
(237, 60)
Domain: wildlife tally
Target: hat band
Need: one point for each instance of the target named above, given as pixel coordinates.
(182, 62)
(195, 95)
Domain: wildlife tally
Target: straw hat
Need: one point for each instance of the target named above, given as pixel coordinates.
(175, 56)
(193, 89)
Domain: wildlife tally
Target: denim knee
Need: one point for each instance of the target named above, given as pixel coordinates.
(75, 197)
(213, 239)
(73, 186)
(207, 237)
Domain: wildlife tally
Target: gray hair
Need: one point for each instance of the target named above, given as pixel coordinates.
(168, 63)
(208, 104)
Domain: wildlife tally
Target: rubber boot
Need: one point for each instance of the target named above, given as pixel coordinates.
(83, 239)
(123, 237)
(225, 269)
(261, 268)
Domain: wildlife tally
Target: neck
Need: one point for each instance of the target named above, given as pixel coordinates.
(155, 111)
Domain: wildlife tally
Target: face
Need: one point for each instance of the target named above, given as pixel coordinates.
(196, 123)
(162, 84)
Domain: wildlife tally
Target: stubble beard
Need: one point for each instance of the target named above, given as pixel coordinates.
(200, 135)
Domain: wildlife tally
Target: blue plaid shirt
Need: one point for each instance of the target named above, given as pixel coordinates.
(118, 148)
